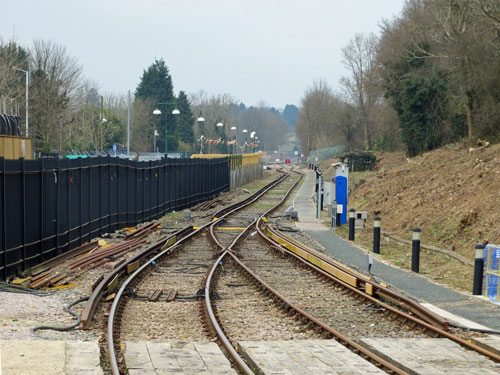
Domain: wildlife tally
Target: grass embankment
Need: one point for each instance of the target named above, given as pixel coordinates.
(450, 193)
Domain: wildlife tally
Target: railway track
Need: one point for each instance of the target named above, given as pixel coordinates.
(251, 266)
(179, 269)
(312, 296)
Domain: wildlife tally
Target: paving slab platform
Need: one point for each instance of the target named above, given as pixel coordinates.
(44, 357)
(490, 342)
(304, 357)
(428, 356)
(182, 358)
(409, 283)
(420, 356)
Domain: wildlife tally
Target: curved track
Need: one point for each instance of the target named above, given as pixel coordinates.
(241, 252)
(193, 248)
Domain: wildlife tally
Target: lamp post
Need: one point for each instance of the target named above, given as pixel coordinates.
(158, 112)
(245, 131)
(220, 125)
(233, 146)
(155, 134)
(27, 72)
(201, 125)
(103, 121)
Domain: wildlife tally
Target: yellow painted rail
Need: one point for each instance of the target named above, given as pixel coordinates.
(311, 258)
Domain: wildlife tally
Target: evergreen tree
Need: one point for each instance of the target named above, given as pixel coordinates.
(290, 114)
(418, 91)
(185, 120)
(156, 86)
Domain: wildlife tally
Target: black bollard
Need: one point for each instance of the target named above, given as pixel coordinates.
(415, 250)
(352, 213)
(477, 288)
(376, 235)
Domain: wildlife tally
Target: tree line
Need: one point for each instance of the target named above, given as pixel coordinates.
(431, 77)
(68, 113)
(268, 124)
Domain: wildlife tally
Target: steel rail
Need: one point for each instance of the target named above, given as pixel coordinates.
(227, 344)
(213, 320)
(420, 321)
(368, 284)
(341, 338)
(208, 285)
(257, 196)
(91, 306)
(356, 347)
(61, 258)
(115, 306)
(100, 289)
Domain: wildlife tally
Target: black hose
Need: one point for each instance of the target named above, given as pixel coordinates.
(67, 328)
(10, 288)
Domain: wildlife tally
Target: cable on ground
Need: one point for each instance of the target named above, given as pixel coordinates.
(67, 328)
(10, 288)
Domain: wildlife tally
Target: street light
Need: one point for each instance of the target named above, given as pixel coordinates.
(103, 121)
(27, 72)
(155, 134)
(158, 112)
(252, 136)
(220, 125)
(201, 128)
(245, 131)
(233, 146)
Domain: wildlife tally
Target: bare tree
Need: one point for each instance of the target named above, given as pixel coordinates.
(214, 109)
(320, 122)
(360, 87)
(56, 77)
(143, 126)
(269, 127)
(12, 82)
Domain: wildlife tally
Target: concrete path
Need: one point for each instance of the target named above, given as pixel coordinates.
(304, 357)
(421, 356)
(411, 284)
(427, 356)
(44, 357)
(152, 358)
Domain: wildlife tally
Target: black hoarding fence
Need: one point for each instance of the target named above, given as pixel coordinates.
(49, 206)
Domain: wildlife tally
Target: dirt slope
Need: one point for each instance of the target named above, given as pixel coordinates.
(451, 194)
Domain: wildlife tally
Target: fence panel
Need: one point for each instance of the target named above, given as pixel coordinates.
(49, 206)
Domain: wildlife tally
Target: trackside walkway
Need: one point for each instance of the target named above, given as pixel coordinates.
(409, 283)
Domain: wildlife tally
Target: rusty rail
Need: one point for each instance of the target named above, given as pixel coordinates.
(363, 284)
(219, 331)
(61, 258)
(217, 219)
(424, 314)
(125, 267)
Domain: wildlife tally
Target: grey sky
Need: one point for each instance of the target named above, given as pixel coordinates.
(256, 50)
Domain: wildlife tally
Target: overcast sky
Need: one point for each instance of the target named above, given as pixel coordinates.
(253, 49)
